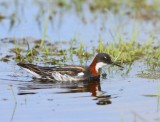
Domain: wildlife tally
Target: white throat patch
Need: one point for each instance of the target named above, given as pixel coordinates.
(100, 65)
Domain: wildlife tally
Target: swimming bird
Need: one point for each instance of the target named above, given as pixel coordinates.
(70, 72)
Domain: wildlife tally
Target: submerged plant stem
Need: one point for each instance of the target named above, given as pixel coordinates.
(44, 32)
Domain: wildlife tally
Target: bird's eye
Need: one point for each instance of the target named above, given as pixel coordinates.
(105, 57)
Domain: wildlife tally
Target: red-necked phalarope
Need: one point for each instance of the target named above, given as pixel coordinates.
(70, 72)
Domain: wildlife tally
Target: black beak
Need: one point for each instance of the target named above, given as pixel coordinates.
(113, 63)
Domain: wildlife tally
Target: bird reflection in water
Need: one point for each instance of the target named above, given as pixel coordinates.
(94, 87)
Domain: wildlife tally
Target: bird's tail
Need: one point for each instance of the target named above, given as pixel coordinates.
(31, 68)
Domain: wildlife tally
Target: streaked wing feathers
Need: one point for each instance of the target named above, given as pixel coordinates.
(66, 69)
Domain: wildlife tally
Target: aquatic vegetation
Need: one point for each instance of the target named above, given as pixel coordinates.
(1, 17)
(130, 51)
(138, 9)
(153, 57)
(105, 4)
(29, 50)
(149, 75)
(123, 52)
(6, 58)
